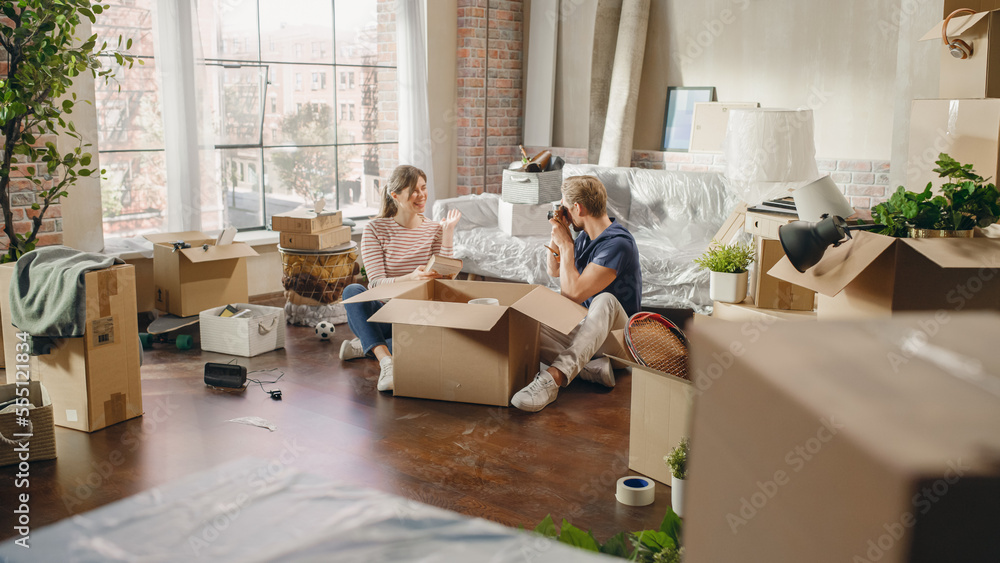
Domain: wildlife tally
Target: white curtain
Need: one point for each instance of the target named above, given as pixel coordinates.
(194, 201)
(411, 70)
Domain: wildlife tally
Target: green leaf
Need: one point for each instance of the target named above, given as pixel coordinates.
(35, 206)
(654, 540)
(616, 546)
(547, 527)
(571, 535)
(671, 526)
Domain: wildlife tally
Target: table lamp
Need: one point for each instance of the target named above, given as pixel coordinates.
(769, 152)
(820, 198)
(805, 242)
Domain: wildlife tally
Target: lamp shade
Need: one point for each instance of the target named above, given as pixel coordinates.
(769, 152)
(819, 198)
(805, 243)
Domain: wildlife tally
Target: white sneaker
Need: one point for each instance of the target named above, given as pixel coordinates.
(599, 371)
(385, 376)
(537, 394)
(351, 350)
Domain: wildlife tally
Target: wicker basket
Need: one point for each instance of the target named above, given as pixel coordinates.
(42, 443)
(317, 277)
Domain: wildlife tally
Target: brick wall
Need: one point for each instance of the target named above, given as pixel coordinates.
(387, 91)
(490, 98)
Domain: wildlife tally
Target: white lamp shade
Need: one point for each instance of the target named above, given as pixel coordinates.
(769, 152)
(819, 197)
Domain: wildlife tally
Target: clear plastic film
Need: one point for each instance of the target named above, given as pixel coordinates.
(250, 511)
(672, 215)
(769, 152)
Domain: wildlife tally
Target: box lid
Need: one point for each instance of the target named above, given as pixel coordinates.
(408, 289)
(442, 314)
(954, 252)
(839, 265)
(167, 238)
(197, 254)
(956, 27)
(306, 213)
(551, 309)
(622, 363)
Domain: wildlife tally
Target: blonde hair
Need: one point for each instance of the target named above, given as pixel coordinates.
(588, 191)
(403, 177)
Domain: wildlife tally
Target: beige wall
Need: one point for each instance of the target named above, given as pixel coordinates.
(442, 68)
(839, 58)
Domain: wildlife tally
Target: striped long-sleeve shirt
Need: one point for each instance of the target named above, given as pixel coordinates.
(389, 250)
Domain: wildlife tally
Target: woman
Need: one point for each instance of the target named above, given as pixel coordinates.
(395, 246)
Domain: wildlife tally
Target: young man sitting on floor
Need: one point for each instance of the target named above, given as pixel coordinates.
(599, 270)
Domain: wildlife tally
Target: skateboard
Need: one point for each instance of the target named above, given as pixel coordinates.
(161, 327)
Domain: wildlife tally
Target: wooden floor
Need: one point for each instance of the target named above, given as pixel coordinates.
(496, 463)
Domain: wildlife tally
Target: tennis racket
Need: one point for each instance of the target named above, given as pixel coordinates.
(657, 343)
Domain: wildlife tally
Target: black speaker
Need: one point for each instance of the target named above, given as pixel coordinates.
(225, 375)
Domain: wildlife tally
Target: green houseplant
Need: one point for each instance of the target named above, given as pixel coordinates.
(966, 201)
(727, 264)
(648, 546)
(677, 460)
(43, 58)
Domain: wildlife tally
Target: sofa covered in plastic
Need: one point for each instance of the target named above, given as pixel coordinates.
(672, 215)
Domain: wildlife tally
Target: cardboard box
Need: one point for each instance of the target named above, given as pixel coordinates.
(765, 225)
(977, 5)
(836, 444)
(977, 76)
(145, 295)
(748, 312)
(94, 380)
(660, 417)
(524, 219)
(733, 226)
(41, 439)
(257, 332)
(447, 349)
(874, 275)
(305, 220)
(191, 280)
(771, 293)
(316, 241)
(968, 130)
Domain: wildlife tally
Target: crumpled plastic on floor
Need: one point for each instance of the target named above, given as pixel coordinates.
(254, 421)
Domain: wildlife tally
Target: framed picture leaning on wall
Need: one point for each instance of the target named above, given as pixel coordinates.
(679, 115)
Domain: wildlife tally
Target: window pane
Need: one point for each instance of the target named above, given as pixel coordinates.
(358, 30)
(299, 175)
(133, 21)
(130, 118)
(299, 108)
(299, 31)
(359, 179)
(228, 29)
(238, 107)
(241, 177)
(133, 195)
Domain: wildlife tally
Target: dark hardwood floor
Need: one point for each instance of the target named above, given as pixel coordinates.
(496, 463)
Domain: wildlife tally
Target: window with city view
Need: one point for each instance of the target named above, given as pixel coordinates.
(303, 99)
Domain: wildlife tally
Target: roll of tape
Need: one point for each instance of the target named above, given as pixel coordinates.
(636, 491)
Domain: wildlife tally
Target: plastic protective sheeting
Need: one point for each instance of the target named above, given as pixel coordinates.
(251, 511)
(672, 215)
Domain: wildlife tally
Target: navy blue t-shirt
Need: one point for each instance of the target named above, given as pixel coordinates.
(614, 248)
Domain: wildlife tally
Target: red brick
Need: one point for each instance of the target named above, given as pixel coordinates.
(855, 165)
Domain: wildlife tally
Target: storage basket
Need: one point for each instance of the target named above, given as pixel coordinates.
(317, 277)
(531, 187)
(41, 445)
(254, 333)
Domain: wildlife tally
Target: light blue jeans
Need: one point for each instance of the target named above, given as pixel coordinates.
(371, 334)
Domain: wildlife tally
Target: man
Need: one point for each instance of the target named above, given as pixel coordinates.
(599, 270)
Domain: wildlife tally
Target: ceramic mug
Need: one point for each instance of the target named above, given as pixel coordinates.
(484, 301)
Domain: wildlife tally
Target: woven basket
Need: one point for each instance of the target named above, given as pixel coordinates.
(42, 443)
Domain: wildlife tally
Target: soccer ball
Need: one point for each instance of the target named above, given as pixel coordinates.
(324, 330)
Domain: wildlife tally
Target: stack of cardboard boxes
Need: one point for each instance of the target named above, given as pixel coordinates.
(304, 229)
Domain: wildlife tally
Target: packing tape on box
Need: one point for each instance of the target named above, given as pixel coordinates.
(636, 491)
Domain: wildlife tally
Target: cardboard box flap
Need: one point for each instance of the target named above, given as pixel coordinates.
(551, 309)
(839, 265)
(956, 27)
(197, 254)
(956, 252)
(305, 213)
(409, 289)
(167, 238)
(620, 363)
(460, 316)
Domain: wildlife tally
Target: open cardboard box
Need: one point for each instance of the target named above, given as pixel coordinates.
(872, 440)
(875, 275)
(447, 349)
(194, 279)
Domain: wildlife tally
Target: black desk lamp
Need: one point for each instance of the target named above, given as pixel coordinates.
(804, 242)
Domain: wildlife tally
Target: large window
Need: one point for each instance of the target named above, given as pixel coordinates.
(279, 139)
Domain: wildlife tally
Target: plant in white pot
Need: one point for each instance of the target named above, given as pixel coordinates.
(727, 264)
(677, 460)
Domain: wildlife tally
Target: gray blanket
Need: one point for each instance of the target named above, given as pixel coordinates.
(47, 294)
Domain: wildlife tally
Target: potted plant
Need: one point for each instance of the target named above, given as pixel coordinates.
(727, 264)
(43, 57)
(965, 202)
(677, 460)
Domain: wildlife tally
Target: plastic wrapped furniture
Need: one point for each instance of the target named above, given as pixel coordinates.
(672, 215)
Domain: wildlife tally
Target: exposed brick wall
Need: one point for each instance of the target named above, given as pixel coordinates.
(388, 96)
(490, 99)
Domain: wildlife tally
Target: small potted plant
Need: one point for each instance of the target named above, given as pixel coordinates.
(727, 264)
(677, 460)
(965, 202)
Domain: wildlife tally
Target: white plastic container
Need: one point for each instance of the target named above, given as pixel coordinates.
(250, 334)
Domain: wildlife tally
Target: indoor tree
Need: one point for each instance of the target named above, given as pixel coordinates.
(43, 58)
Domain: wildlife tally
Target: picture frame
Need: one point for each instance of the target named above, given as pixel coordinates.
(678, 117)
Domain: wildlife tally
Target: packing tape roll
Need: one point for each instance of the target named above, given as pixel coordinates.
(636, 491)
